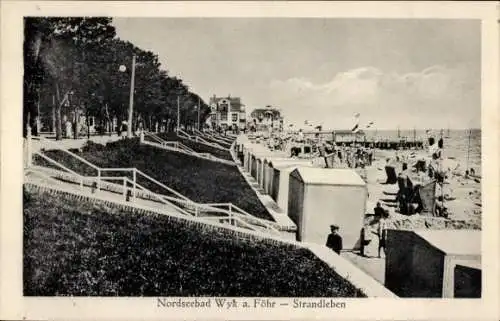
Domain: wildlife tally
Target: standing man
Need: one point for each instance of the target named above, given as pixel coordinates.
(382, 234)
(334, 240)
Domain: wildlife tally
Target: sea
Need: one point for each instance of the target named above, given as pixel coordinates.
(461, 144)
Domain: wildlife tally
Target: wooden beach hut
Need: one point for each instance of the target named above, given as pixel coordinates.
(322, 197)
(281, 178)
(434, 263)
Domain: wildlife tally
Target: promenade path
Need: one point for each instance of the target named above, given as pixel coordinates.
(69, 143)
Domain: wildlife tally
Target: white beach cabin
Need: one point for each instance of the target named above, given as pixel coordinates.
(267, 178)
(322, 197)
(281, 178)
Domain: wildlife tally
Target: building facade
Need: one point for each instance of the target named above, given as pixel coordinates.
(264, 119)
(226, 112)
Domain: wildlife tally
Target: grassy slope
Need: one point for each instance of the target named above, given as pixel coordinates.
(198, 179)
(199, 147)
(82, 249)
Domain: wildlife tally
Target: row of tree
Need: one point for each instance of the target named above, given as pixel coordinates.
(76, 65)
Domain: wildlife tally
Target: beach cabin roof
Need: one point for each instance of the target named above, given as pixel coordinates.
(270, 158)
(330, 176)
(289, 162)
(267, 153)
(454, 242)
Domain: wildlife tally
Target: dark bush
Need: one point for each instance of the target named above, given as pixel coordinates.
(74, 248)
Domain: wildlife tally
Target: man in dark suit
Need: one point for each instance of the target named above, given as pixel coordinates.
(334, 240)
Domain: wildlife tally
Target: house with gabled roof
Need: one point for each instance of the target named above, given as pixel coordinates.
(227, 112)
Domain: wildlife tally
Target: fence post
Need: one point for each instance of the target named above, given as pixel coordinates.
(98, 179)
(134, 173)
(28, 147)
(125, 188)
(142, 136)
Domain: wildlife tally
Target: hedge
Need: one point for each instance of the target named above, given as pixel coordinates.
(198, 179)
(75, 248)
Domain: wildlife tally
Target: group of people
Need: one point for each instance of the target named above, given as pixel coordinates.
(368, 234)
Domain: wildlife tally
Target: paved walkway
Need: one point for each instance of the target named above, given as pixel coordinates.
(68, 143)
(370, 265)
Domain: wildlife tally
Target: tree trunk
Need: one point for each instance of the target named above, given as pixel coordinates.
(53, 127)
(58, 114)
(75, 123)
(87, 121)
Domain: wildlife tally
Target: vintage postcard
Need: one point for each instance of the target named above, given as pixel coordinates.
(249, 160)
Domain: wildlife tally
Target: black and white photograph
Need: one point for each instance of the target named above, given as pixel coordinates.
(218, 163)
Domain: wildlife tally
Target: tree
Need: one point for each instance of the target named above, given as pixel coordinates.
(76, 61)
(50, 48)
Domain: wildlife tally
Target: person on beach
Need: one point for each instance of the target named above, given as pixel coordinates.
(431, 152)
(370, 155)
(322, 153)
(300, 136)
(366, 238)
(382, 235)
(379, 211)
(334, 240)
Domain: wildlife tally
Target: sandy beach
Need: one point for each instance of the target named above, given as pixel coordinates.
(462, 195)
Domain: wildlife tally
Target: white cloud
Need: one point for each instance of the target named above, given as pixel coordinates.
(435, 96)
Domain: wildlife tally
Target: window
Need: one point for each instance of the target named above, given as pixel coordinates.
(223, 116)
(235, 117)
(223, 107)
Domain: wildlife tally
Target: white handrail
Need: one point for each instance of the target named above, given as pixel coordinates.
(212, 144)
(161, 198)
(240, 217)
(44, 175)
(57, 164)
(66, 151)
(118, 169)
(195, 154)
(162, 185)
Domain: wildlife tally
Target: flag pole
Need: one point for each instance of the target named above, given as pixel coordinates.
(468, 152)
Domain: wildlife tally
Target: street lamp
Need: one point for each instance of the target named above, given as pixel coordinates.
(122, 68)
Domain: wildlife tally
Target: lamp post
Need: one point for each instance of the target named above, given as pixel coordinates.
(178, 114)
(131, 99)
(199, 108)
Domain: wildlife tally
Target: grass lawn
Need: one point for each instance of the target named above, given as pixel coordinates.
(81, 249)
(198, 179)
(199, 147)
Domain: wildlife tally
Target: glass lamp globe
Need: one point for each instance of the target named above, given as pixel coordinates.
(122, 68)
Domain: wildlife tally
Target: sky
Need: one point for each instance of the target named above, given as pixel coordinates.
(419, 73)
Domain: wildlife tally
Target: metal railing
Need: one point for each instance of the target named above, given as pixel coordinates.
(216, 138)
(228, 212)
(179, 147)
(199, 139)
